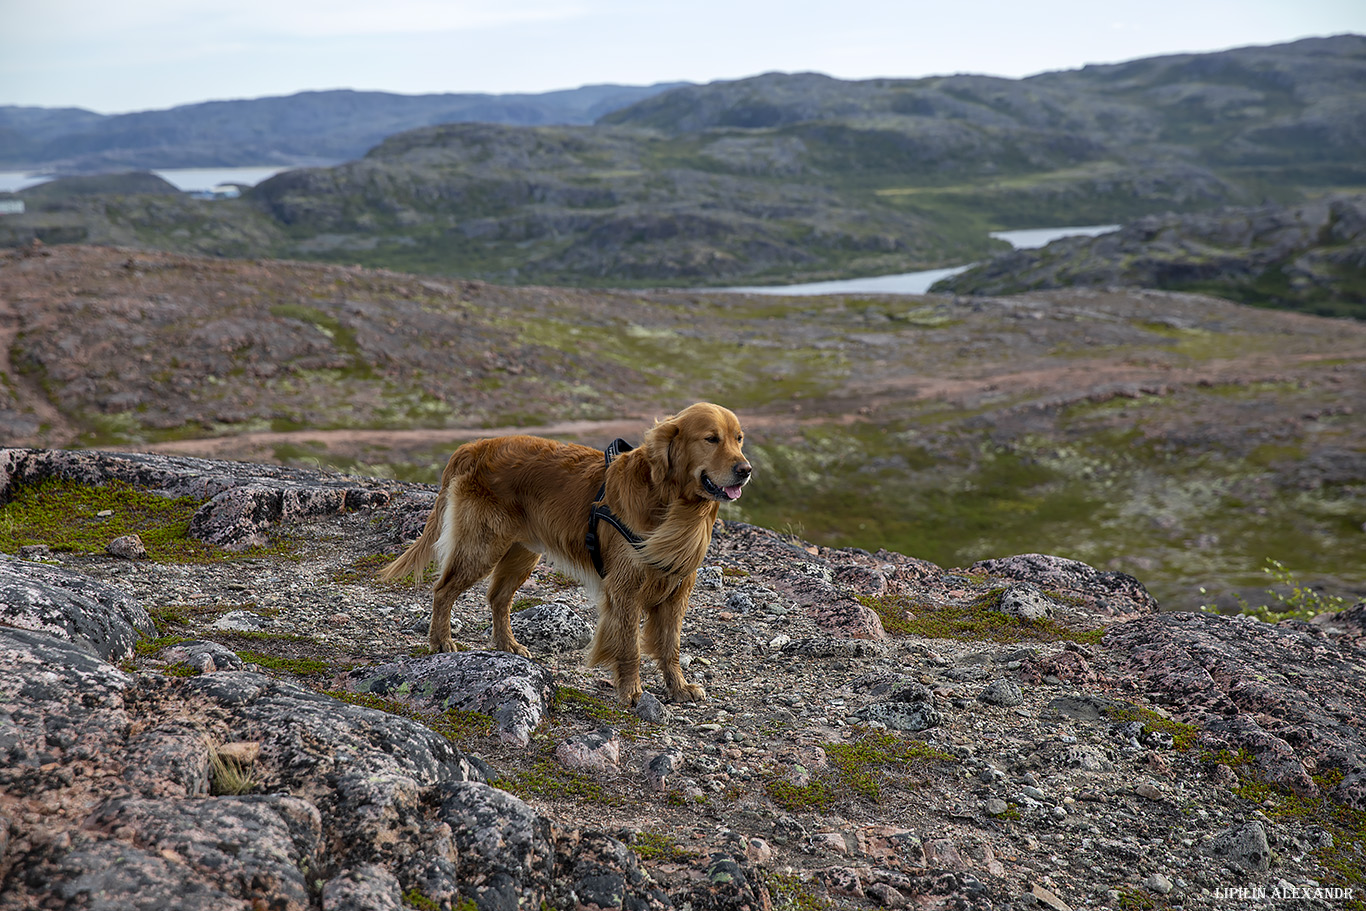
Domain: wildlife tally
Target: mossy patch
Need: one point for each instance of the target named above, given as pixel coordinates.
(70, 517)
(858, 769)
(1344, 860)
(653, 846)
(548, 780)
(456, 725)
(787, 892)
(575, 703)
(415, 898)
(1183, 735)
(974, 621)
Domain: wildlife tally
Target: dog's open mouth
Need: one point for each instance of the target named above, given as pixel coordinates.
(725, 494)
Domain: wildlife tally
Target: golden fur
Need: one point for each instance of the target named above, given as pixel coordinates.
(506, 501)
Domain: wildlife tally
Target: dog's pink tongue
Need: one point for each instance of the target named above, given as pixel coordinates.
(733, 492)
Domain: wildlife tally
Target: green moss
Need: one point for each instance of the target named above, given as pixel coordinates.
(974, 621)
(1183, 735)
(1135, 900)
(548, 780)
(146, 647)
(1345, 859)
(414, 898)
(859, 768)
(652, 846)
(300, 667)
(456, 725)
(575, 703)
(71, 517)
(787, 892)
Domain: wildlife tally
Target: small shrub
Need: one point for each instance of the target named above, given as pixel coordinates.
(1300, 602)
(228, 777)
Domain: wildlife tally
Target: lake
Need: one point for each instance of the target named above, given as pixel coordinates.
(190, 180)
(920, 282)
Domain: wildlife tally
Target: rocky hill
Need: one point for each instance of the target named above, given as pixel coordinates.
(1305, 257)
(780, 177)
(305, 128)
(208, 701)
(1177, 437)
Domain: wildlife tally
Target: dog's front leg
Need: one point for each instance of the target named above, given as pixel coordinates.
(663, 629)
(617, 642)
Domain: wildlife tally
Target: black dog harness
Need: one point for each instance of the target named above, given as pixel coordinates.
(600, 510)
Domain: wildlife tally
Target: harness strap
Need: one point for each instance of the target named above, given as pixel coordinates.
(600, 510)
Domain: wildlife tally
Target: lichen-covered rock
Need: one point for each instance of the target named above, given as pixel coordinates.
(595, 872)
(365, 888)
(727, 884)
(58, 704)
(104, 619)
(202, 655)
(1287, 693)
(515, 691)
(504, 849)
(310, 741)
(554, 626)
(1003, 692)
(1244, 847)
(596, 751)
(129, 547)
(1025, 602)
(1109, 594)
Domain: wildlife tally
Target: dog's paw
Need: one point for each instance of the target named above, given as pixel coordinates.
(629, 696)
(442, 645)
(512, 647)
(688, 692)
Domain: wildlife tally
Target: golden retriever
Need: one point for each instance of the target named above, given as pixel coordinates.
(506, 501)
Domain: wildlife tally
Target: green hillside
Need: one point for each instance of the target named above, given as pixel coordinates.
(780, 178)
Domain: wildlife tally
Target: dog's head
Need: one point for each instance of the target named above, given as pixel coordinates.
(699, 450)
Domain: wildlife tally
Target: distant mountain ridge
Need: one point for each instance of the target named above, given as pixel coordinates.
(782, 178)
(306, 128)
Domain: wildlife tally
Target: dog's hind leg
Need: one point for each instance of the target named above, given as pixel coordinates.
(663, 627)
(512, 570)
(452, 585)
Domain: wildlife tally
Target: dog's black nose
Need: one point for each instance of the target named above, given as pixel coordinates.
(743, 470)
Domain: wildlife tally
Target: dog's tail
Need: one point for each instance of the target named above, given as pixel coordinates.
(420, 554)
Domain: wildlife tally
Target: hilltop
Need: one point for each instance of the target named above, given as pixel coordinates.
(1309, 257)
(787, 177)
(305, 128)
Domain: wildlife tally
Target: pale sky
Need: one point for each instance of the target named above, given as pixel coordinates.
(135, 55)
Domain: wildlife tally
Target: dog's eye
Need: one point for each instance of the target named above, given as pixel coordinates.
(713, 439)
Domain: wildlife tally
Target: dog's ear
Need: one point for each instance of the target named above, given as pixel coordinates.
(658, 447)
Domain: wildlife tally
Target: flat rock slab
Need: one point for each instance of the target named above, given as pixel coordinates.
(1286, 692)
(103, 619)
(242, 499)
(515, 691)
